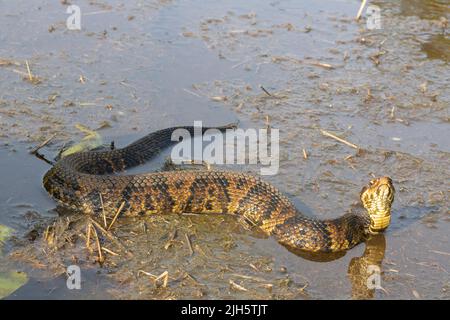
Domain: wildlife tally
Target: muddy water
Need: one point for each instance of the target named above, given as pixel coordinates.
(137, 67)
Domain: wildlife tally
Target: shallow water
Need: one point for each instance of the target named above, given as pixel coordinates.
(146, 66)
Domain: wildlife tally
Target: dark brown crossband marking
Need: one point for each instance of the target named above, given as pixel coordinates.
(226, 196)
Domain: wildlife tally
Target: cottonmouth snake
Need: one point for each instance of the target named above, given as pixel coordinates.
(87, 181)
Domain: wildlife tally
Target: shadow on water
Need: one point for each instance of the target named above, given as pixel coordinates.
(362, 270)
(438, 47)
(430, 9)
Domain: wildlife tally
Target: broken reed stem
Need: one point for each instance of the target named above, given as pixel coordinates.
(305, 155)
(107, 234)
(146, 273)
(328, 134)
(117, 214)
(99, 248)
(363, 4)
(248, 277)
(188, 240)
(171, 239)
(88, 236)
(191, 92)
(43, 144)
(164, 275)
(47, 233)
(103, 210)
(265, 91)
(322, 64)
(30, 76)
(236, 286)
(440, 252)
(110, 251)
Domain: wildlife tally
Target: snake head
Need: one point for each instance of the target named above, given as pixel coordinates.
(377, 197)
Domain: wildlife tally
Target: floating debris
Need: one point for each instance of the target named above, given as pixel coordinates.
(91, 141)
(361, 8)
(10, 280)
(237, 287)
(219, 98)
(328, 134)
(31, 78)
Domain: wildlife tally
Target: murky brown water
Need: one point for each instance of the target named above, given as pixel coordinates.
(146, 66)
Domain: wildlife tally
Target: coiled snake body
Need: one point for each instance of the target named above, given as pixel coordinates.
(87, 181)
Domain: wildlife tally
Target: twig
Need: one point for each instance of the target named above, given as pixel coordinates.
(99, 248)
(248, 277)
(88, 236)
(165, 277)
(103, 210)
(191, 251)
(440, 252)
(241, 63)
(328, 134)
(393, 112)
(254, 267)
(43, 158)
(30, 76)
(146, 273)
(305, 155)
(363, 4)
(171, 239)
(97, 12)
(235, 286)
(108, 235)
(117, 214)
(43, 144)
(265, 91)
(49, 236)
(322, 64)
(195, 281)
(61, 150)
(191, 92)
(110, 251)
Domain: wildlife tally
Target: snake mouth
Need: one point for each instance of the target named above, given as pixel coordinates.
(377, 197)
(386, 191)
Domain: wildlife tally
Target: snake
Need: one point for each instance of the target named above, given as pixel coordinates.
(94, 182)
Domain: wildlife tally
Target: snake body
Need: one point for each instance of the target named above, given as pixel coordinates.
(87, 181)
